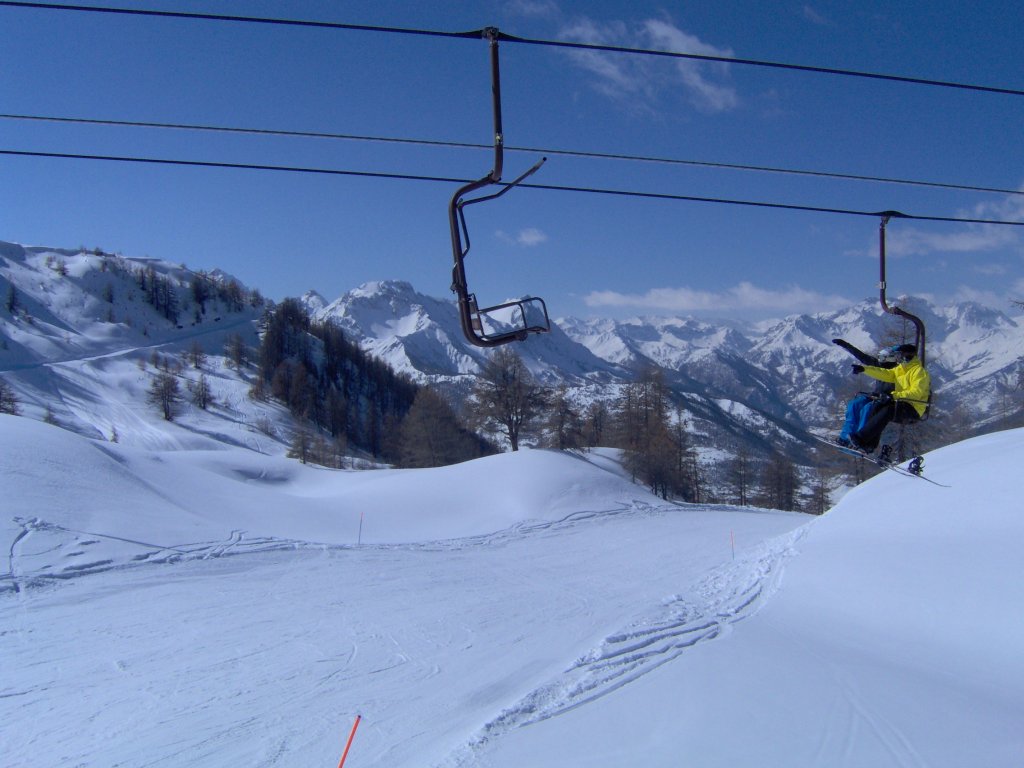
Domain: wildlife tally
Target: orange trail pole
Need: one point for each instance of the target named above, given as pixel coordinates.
(349, 742)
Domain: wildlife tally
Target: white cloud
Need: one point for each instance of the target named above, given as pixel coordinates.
(743, 297)
(972, 238)
(631, 77)
(814, 16)
(530, 237)
(534, 8)
(905, 239)
(705, 92)
(527, 238)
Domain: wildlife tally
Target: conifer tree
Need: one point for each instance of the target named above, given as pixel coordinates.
(431, 436)
(302, 444)
(202, 395)
(506, 396)
(739, 474)
(165, 393)
(596, 423)
(8, 400)
(565, 427)
(780, 484)
(237, 351)
(196, 355)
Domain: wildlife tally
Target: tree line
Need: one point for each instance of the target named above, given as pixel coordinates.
(346, 401)
(344, 398)
(652, 428)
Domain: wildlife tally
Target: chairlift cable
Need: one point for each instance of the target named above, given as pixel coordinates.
(768, 64)
(238, 19)
(531, 150)
(477, 34)
(549, 187)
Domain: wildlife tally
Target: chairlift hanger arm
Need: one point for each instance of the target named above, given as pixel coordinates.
(460, 204)
(505, 187)
(919, 341)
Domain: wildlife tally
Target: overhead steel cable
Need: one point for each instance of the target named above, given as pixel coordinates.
(549, 187)
(239, 19)
(761, 63)
(476, 34)
(531, 150)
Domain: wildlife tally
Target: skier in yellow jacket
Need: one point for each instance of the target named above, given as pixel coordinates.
(907, 403)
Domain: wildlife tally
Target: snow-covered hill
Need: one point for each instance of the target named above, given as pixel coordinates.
(83, 341)
(214, 608)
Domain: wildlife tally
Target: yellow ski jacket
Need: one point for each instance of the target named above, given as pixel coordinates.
(912, 381)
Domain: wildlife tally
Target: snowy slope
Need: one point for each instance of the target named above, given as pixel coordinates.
(197, 608)
(873, 651)
(80, 347)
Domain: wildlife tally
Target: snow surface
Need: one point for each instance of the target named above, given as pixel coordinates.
(223, 608)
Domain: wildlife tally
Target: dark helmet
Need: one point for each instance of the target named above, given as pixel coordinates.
(905, 351)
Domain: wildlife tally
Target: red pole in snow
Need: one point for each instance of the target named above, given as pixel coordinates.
(349, 742)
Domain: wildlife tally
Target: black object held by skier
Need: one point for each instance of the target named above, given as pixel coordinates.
(907, 402)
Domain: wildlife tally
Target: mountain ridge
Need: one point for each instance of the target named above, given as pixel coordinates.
(740, 382)
(789, 369)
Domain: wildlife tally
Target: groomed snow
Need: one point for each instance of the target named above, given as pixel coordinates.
(219, 608)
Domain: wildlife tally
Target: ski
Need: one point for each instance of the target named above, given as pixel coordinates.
(914, 468)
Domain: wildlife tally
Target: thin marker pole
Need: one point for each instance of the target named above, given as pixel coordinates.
(349, 742)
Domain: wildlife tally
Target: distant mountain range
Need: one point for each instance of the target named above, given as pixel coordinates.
(78, 313)
(741, 377)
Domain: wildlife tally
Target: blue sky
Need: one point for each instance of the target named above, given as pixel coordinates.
(586, 255)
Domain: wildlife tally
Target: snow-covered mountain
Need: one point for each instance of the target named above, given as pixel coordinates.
(422, 336)
(83, 334)
(788, 371)
(78, 328)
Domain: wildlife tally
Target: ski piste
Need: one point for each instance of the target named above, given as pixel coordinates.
(880, 462)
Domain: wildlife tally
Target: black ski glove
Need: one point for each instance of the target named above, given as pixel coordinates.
(857, 369)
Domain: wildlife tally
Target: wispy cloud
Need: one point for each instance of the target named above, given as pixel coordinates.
(743, 297)
(815, 16)
(908, 240)
(993, 299)
(626, 77)
(534, 8)
(530, 237)
(976, 238)
(527, 238)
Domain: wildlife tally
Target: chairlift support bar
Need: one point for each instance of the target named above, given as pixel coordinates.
(470, 315)
(918, 323)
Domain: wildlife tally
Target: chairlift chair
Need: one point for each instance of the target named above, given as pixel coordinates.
(513, 320)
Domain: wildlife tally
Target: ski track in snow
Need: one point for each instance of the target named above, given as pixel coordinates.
(45, 554)
(728, 595)
(81, 552)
